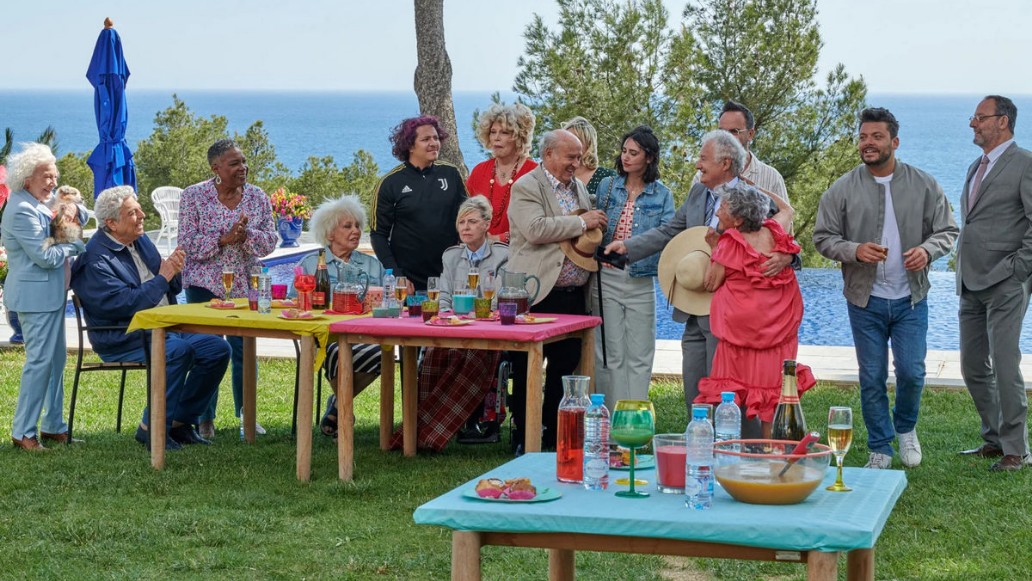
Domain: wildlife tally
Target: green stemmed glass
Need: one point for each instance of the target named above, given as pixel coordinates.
(633, 425)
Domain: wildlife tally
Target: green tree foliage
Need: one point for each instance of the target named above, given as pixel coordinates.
(618, 64)
(76, 172)
(604, 63)
(321, 179)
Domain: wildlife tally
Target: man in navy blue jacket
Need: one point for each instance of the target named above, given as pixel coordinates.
(122, 273)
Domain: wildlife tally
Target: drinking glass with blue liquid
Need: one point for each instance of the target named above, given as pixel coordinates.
(462, 298)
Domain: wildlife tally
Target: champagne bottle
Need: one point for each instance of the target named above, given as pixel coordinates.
(322, 293)
(789, 423)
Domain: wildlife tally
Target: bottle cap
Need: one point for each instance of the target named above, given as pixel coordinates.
(388, 271)
(727, 396)
(265, 270)
(699, 413)
(598, 398)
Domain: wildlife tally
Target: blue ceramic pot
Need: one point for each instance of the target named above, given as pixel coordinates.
(289, 231)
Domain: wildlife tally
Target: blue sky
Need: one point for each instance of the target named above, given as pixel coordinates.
(898, 46)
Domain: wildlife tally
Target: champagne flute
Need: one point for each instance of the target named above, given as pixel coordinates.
(401, 290)
(433, 288)
(488, 283)
(227, 281)
(473, 279)
(840, 437)
(634, 424)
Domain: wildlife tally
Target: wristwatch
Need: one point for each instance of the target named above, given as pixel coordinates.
(583, 225)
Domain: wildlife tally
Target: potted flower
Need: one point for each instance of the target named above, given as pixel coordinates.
(290, 210)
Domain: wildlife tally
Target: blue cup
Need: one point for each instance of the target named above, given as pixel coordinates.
(462, 304)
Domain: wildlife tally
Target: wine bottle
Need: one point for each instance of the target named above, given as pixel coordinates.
(322, 293)
(789, 423)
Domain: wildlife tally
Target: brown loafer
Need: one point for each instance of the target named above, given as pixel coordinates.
(61, 438)
(983, 451)
(31, 444)
(1009, 463)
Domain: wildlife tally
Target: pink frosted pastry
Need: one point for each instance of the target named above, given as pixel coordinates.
(520, 489)
(490, 488)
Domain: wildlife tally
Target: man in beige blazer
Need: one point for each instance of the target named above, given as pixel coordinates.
(994, 262)
(541, 215)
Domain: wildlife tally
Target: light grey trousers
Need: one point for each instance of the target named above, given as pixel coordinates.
(629, 308)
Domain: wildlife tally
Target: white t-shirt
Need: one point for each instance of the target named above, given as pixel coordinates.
(890, 281)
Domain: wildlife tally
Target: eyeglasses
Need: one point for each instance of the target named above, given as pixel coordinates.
(981, 118)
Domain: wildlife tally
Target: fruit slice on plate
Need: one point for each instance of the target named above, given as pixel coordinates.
(534, 320)
(451, 321)
(294, 314)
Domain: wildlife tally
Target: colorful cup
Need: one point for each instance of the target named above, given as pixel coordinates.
(670, 462)
(507, 313)
(462, 304)
(279, 292)
(373, 298)
(482, 308)
(415, 304)
(429, 309)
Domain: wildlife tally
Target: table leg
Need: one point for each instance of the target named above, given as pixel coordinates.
(587, 356)
(304, 408)
(345, 411)
(386, 395)
(465, 556)
(157, 399)
(532, 439)
(860, 565)
(560, 565)
(250, 388)
(409, 398)
(821, 566)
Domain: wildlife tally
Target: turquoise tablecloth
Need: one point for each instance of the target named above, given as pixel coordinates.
(826, 521)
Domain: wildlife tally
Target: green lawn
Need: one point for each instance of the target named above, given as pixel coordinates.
(97, 510)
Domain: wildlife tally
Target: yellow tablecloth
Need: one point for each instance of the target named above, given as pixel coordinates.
(241, 317)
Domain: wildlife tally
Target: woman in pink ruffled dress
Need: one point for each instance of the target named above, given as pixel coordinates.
(756, 317)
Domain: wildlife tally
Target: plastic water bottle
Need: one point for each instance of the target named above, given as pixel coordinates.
(698, 478)
(265, 292)
(596, 444)
(389, 284)
(727, 420)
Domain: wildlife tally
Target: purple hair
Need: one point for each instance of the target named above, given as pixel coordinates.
(404, 135)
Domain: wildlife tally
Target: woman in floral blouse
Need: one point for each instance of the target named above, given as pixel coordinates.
(224, 223)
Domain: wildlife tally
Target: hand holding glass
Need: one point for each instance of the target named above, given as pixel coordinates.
(840, 438)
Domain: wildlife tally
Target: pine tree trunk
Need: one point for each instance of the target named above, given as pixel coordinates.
(433, 76)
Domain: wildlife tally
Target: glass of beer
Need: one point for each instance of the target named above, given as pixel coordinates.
(433, 288)
(473, 279)
(840, 438)
(488, 284)
(227, 281)
(401, 291)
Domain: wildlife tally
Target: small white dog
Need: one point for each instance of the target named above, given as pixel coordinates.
(64, 226)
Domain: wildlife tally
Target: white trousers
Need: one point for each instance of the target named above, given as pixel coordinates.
(629, 310)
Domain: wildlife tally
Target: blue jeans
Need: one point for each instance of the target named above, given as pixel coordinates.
(196, 294)
(194, 367)
(905, 327)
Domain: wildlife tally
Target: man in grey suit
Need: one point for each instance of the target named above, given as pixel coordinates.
(721, 160)
(541, 215)
(994, 262)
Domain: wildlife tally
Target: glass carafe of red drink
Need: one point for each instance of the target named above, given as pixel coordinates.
(349, 293)
(569, 446)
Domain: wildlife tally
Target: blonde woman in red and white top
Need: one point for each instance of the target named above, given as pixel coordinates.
(634, 201)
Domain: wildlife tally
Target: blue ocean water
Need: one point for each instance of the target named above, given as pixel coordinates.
(934, 136)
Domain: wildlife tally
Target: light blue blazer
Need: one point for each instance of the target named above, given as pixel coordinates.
(35, 277)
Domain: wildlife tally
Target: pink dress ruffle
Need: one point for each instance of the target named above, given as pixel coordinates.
(757, 320)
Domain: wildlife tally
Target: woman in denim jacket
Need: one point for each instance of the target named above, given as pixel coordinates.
(634, 201)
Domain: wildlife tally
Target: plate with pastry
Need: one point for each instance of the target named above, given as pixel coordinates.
(225, 305)
(514, 490)
(296, 315)
(452, 321)
(529, 319)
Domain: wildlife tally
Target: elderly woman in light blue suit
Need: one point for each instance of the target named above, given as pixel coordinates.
(35, 289)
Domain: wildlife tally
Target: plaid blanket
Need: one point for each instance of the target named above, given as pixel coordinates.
(452, 385)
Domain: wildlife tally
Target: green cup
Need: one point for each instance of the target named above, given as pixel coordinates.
(482, 308)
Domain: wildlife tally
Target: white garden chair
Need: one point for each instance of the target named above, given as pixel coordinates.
(166, 202)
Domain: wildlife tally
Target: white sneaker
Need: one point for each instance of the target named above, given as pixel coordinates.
(909, 449)
(258, 429)
(879, 461)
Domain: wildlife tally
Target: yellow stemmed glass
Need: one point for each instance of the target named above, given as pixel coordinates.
(633, 425)
(840, 438)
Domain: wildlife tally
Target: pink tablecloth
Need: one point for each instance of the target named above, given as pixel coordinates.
(414, 327)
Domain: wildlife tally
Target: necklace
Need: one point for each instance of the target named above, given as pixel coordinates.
(499, 208)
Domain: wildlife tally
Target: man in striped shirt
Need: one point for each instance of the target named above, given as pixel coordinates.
(738, 120)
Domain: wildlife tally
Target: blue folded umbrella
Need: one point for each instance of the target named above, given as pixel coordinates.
(111, 161)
